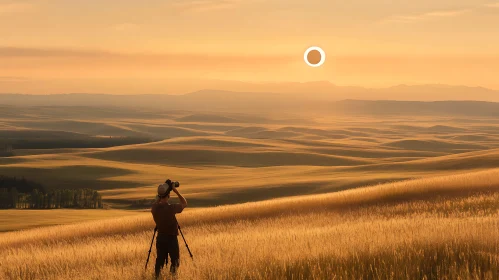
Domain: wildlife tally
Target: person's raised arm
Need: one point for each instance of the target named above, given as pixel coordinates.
(183, 202)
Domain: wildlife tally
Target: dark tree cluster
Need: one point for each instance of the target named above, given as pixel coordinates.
(21, 193)
(80, 198)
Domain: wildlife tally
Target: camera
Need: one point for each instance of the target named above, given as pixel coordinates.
(171, 184)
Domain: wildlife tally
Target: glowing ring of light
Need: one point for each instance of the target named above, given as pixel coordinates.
(321, 51)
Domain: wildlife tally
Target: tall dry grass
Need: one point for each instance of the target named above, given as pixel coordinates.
(438, 228)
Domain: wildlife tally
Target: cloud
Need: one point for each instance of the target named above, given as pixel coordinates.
(205, 5)
(12, 79)
(426, 16)
(68, 56)
(40, 52)
(126, 27)
(492, 5)
(453, 13)
(436, 14)
(15, 7)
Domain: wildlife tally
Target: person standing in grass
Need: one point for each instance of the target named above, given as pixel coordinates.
(166, 223)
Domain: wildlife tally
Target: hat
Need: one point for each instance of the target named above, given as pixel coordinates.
(163, 190)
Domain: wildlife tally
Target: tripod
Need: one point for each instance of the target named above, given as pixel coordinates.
(152, 241)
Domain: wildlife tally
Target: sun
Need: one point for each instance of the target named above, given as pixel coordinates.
(314, 56)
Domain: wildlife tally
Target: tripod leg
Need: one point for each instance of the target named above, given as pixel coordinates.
(187, 246)
(188, 250)
(150, 248)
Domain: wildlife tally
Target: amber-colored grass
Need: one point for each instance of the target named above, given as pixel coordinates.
(17, 219)
(436, 228)
(227, 163)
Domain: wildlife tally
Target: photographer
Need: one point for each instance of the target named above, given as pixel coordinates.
(167, 226)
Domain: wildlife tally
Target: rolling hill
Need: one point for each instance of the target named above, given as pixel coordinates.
(444, 227)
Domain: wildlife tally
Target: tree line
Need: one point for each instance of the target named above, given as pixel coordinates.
(21, 193)
(72, 198)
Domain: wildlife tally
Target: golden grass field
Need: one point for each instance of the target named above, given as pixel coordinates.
(324, 197)
(225, 163)
(17, 219)
(434, 228)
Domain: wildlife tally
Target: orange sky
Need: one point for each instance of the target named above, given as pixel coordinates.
(57, 46)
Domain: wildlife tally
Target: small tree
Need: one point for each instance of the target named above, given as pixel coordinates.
(34, 199)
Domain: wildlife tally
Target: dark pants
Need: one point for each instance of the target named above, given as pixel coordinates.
(167, 245)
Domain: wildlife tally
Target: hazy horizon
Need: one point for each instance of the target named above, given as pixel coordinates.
(183, 87)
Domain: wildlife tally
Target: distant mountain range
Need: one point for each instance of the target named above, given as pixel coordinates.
(330, 91)
(300, 97)
(418, 108)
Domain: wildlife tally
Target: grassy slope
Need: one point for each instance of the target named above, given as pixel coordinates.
(240, 171)
(437, 227)
(220, 163)
(17, 219)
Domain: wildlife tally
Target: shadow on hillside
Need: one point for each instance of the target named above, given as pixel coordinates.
(260, 193)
